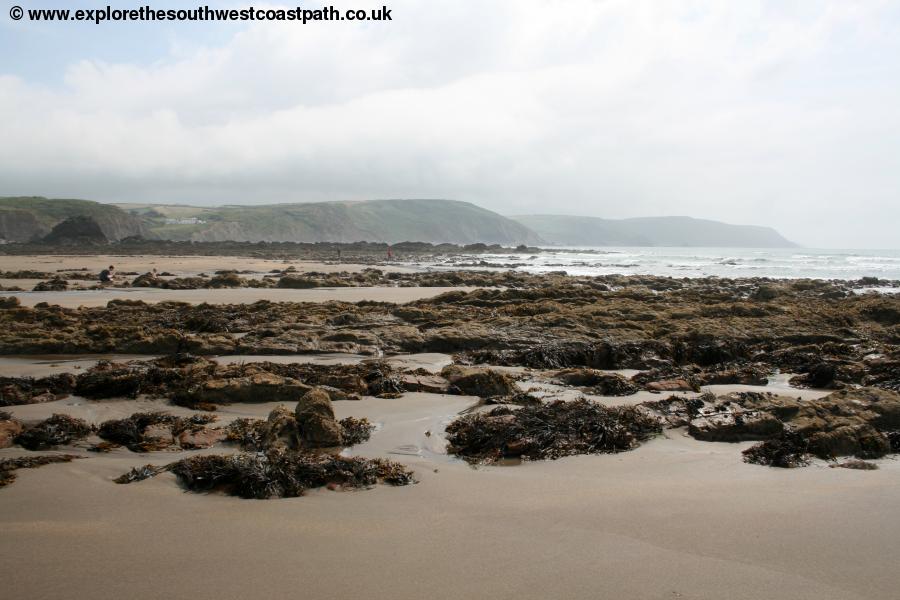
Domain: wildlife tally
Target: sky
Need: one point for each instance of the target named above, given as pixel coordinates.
(776, 113)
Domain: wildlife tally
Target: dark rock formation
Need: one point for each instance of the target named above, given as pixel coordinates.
(76, 231)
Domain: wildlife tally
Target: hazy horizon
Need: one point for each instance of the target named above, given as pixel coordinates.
(778, 114)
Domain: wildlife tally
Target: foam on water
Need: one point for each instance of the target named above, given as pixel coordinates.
(703, 262)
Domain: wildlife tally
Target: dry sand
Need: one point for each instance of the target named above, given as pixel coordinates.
(88, 298)
(676, 518)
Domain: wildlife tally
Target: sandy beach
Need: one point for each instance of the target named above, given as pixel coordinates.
(674, 518)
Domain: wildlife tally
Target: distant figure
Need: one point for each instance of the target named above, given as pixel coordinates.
(108, 275)
(390, 253)
(339, 255)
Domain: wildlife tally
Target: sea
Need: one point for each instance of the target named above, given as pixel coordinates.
(782, 263)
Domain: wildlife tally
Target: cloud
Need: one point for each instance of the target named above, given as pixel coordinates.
(753, 112)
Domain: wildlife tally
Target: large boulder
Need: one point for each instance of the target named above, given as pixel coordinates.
(282, 429)
(316, 424)
(479, 381)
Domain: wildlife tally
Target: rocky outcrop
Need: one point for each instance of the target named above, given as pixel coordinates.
(858, 422)
(316, 424)
(79, 230)
(259, 387)
(596, 382)
(478, 381)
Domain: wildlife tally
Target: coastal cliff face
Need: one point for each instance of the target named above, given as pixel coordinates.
(567, 230)
(391, 221)
(19, 226)
(26, 218)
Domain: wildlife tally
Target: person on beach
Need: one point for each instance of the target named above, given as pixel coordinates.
(390, 253)
(108, 275)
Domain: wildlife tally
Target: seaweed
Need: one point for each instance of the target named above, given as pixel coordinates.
(550, 431)
(788, 451)
(55, 431)
(141, 473)
(9, 465)
(355, 431)
(30, 390)
(130, 431)
(249, 434)
(276, 473)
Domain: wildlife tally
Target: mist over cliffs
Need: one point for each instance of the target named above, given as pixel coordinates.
(565, 230)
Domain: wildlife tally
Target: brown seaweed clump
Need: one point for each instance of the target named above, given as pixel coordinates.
(58, 430)
(550, 431)
(263, 434)
(9, 465)
(277, 473)
(355, 431)
(788, 451)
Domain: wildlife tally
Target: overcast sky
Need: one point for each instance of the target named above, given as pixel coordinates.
(779, 113)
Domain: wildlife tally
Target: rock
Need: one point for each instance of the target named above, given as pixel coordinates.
(601, 384)
(431, 384)
(336, 394)
(861, 441)
(859, 465)
(282, 429)
(8, 302)
(671, 385)
(853, 422)
(316, 424)
(821, 376)
(260, 387)
(479, 381)
(76, 230)
(9, 431)
(884, 404)
(735, 427)
(297, 283)
(158, 436)
(202, 438)
(41, 398)
(147, 280)
(57, 284)
(746, 376)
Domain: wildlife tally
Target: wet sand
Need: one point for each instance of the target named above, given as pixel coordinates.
(676, 518)
(179, 265)
(89, 298)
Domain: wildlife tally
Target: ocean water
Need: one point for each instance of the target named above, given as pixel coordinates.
(703, 262)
